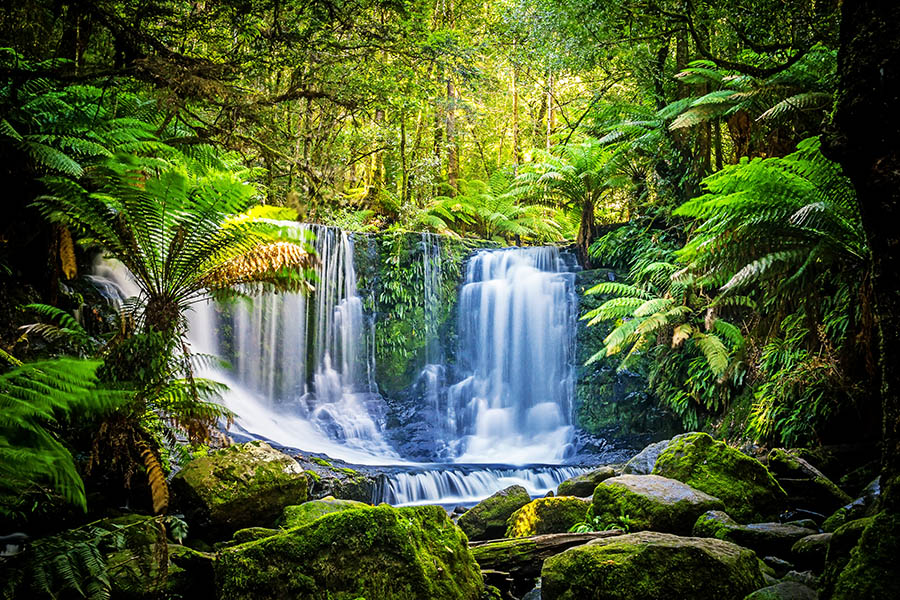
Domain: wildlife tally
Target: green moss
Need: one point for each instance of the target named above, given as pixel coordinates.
(583, 485)
(302, 514)
(406, 553)
(487, 519)
(547, 515)
(321, 462)
(242, 536)
(871, 570)
(742, 483)
(649, 566)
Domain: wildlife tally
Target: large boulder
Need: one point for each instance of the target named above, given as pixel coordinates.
(764, 538)
(807, 487)
(786, 590)
(406, 553)
(650, 502)
(302, 514)
(864, 506)
(331, 477)
(487, 519)
(749, 491)
(643, 462)
(810, 552)
(583, 485)
(237, 487)
(872, 568)
(547, 515)
(650, 565)
(844, 540)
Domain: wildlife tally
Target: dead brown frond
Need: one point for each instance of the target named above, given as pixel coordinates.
(267, 263)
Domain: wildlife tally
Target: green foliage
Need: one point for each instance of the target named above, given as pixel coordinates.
(622, 523)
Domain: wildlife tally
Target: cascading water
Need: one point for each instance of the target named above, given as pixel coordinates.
(513, 400)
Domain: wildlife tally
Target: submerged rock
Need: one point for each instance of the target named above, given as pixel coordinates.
(301, 514)
(649, 566)
(786, 590)
(237, 487)
(583, 485)
(650, 502)
(805, 484)
(487, 519)
(547, 515)
(764, 538)
(742, 483)
(408, 553)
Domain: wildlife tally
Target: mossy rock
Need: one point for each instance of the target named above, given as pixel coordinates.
(241, 486)
(871, 571)
(809, 552)
(190, 574)
(583, 485)
(749, 492)
(651, 502)
(487, 519)
(764, 538)
(250, 534)
(786, 590)
(408, 553)
(302, 514)
(807, 487)
(651, 565)
(844, 540)
(547, 515)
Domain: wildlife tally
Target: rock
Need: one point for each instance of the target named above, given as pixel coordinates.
(810, 551)
(459, 509)
(807, 578)
(843, 541)
(805, 523)
(871, 571)
(535, 593)
(408, 553)
(764, 538)
(583, 485)
(806, 486)
(787, 590)
(864, 506)
(650, 502)
(190, 573)
(547, 515)
(487, 519)
(743, 484)
(643, 462)
(330, 477)
(241, 486)
(779, 566)
(242, 536)
(521, 558)
(301, 514)
(649, 566)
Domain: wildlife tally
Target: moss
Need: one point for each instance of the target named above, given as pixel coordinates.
(583, 485)
(189, 574)
(650, 502)
(242, 536)
(805, 483)
(321, 462)
(302, 514)
(406, 553)
(487, 519)
(871, 570)
(745, 486)
(765, 538)
(547, 515)
(650, 565)
(844, 540)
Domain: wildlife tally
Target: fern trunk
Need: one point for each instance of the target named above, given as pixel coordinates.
(585, 234)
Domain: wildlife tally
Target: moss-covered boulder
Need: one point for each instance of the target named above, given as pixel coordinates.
(190, 574)
(764, 538)
(786, 590)
(547, 515)
(487, 519)
(649, 566)
(807, 487)
(809, 552)
(749, 491)
(844, 540)
(871, 571)
(302, 514)
(332, 477)
(650, 502)
(864, 506)
(583, 485)
(250, 534)
(237, 487)
(408, 553)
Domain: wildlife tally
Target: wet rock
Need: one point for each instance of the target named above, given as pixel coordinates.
(779, 566)
(408, 553)
(650, 502)
(487, 519)
(237, 487)
(806, 485)
(743, 484)
(809, 552)
(764, 538)
(301, 514)
(583, 485)
(329, 477)
(872, 567)
(650, 565)
(787, 590)
(864, 506)
(845, 539)
(643, 462)
(547, 515)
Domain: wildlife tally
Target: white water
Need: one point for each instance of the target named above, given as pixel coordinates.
(512, 403)
(460, 486)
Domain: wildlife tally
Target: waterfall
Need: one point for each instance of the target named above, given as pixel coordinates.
(512, 402)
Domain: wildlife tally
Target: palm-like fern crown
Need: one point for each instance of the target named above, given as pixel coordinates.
(566, 176)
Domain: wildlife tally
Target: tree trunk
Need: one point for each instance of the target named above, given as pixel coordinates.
(452, 148)
(585, 234)
(517, 148)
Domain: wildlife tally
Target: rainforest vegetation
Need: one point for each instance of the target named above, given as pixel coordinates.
(734, 164)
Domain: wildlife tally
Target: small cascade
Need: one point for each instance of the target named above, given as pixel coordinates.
(513, 399)
(455, 484)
